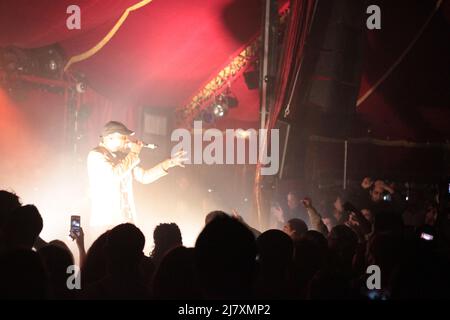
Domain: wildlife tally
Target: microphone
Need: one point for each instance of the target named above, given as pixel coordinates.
(146, 145)
(150, 146)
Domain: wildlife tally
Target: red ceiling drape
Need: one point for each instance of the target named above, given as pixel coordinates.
(297, 30)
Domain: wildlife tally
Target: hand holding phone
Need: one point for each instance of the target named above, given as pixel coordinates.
(75, 226)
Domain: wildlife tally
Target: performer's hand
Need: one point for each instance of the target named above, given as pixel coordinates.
(136, 146)
(177, 160)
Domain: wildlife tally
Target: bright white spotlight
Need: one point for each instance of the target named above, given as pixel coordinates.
(219, 110)
(81, 87)
(53, 65)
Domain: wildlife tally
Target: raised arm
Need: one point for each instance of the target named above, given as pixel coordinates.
(149, 175)
(160, 170)
(315, 219)
(80, 244)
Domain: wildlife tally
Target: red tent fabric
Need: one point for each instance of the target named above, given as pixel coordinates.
(413, 103)
(166, 51)
(160, 57)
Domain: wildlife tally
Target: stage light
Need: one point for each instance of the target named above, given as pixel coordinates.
(49, 61)
(220, 110)
(44, 62)
(53, 65)
(81, 87)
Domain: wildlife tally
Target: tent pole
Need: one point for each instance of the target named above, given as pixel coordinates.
(345, 164)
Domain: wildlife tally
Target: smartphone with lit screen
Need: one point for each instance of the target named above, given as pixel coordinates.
(75, 225)
(426, 236)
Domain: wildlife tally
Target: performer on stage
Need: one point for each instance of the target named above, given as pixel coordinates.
(112, 165)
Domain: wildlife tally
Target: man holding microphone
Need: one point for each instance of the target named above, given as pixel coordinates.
(112, 166)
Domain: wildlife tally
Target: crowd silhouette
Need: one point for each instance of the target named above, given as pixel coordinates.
(325, 257)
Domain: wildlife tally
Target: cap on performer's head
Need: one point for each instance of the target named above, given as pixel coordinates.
(116, 127)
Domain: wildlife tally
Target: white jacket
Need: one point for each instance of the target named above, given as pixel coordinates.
(111, 185)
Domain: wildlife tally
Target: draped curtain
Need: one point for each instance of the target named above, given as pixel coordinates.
(301, 14)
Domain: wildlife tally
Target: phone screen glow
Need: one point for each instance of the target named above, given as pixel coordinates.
(426, 236)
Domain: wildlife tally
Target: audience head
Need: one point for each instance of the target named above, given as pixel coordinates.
(9, 201)
(22, 227)
(23, 275)
(275, 249)
(227, 262)
(376, 191)
(367, 214)
(124, 247)
(94, 267)
(56, 260)
(175, 277)
(342, 242)
(317, 238)
(293, 199)
(225, 254)
(295, 228)
(213, 215)
(383, 249)
(166, 236)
